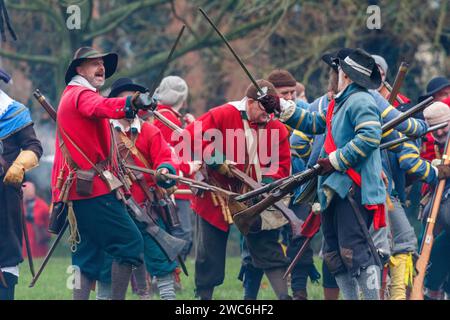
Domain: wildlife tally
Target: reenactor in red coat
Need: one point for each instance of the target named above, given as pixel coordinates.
(84, 175)
(264, 156)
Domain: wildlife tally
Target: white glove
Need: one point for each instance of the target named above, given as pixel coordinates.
(287, 109)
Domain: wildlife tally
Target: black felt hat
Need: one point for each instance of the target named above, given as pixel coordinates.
(125, 84)
(435, 85)
(109, 60)
(361, 68)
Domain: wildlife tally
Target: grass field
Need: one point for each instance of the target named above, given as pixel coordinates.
(52, 284)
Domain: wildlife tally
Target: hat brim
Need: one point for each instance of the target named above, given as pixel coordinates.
(429, 94)
(372, 82)
(329, 58)
(127, 87)
(110, 61)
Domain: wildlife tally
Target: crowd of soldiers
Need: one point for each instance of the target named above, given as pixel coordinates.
(131, 172)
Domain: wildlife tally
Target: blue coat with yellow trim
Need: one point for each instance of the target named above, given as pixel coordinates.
(356, 129)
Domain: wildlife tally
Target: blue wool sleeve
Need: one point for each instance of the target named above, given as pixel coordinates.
(410, 127)
(307, 121)
(367, 127)
(409, 160)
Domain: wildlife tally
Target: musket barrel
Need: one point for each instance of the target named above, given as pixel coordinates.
(411, 112)
(406, 138)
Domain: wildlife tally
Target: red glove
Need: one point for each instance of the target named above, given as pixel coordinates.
(326, 166)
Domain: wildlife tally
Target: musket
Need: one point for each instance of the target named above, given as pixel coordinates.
(407, 138)
(428, 238)
(405, 115)
(167, 122)
(49, 254)
(166, 63)
(279, 192)
(244, 224)
(190, 182)
(170, 245)
(389, 89)
(402, 70)
(43, 102)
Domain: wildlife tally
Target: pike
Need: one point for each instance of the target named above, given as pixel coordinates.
(406, 138)
(428, 238)
(166, 63)
(408, 114)
(402, 70)
(190, 182)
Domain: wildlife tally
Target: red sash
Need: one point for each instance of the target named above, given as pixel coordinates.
(379, 219)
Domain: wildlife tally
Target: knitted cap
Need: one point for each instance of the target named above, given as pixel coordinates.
(172, 91)
(265, 86)
(436, 113)
(281, 78)
(381, 62)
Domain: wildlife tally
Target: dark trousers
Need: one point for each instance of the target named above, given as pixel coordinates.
(105, 227)
(346, 248)
(11, 281)
(265, 251)
(305, 265)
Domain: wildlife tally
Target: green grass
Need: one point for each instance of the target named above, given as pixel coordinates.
(52, 283)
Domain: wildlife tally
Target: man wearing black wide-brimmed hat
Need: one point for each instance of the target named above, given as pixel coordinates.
(350, 181)
(84, 153)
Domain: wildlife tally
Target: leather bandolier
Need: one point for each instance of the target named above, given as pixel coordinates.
(157, 203)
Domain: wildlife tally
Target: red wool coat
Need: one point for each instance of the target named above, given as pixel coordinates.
(40, 220)
(174, 117)
(155, 150)
(83, 114)
(228, 117)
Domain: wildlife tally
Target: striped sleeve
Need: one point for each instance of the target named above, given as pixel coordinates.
(409, 160)
(410, 127)
(306, 121)
(301, 144)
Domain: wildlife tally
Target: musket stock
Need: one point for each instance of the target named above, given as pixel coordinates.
(428, 238)
(243, 223)
(278, 193)
(402, 70)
